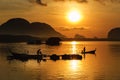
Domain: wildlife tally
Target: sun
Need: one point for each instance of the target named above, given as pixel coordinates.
(74, 16)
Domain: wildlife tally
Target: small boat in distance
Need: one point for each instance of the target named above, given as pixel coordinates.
(88, 52)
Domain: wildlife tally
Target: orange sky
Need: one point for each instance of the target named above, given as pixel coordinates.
(98, 18)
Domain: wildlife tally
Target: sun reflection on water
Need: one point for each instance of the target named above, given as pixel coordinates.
(75, 65)
(74, 49)
(74, 42)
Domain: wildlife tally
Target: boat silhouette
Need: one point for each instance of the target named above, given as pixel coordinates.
(88, 52)
(25, 57)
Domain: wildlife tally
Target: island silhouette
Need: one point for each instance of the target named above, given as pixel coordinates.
(21, 30)
(20, 26)
(114, 34)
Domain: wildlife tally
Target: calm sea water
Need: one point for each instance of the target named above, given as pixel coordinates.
(105, 65)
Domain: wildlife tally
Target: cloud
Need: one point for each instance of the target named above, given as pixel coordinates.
(81, 28)
(80, 1)
(38, 2)
(90, 0)
(14, 5)
(75, 28)
(107, 1)
(44, 4)
(26, 4)
(85, 1)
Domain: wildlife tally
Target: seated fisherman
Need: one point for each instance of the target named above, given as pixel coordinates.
(39, 52)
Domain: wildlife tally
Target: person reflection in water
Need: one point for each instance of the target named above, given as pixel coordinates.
(39, 52)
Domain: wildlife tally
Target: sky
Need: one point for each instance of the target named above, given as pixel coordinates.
(98, 16)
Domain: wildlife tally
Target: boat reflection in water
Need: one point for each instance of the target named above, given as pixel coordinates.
(54, 57)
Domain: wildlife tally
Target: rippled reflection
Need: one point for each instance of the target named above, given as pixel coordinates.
(74, 48)
(104, 66)
(74, 65)
(73, 42)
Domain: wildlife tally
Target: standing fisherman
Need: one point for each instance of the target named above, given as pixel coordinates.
(84, 49)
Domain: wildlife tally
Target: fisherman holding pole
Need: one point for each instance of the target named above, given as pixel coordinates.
(39, 52)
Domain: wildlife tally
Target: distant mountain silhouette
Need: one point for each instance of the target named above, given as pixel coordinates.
(114, 34)
(78, 36)
(20, 26)
(17, 38)
(44, 30)
(14, 26)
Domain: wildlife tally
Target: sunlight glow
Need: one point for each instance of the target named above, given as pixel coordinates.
(74, 49)
(74, 64)
(73, 42)
(74, 16)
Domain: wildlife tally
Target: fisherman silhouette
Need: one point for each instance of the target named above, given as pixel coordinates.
(39, 52)
(84, 49)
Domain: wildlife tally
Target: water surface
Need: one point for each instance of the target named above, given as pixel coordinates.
(102, 66)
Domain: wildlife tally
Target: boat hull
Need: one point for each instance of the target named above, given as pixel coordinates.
(25, 57)
(89, 52)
